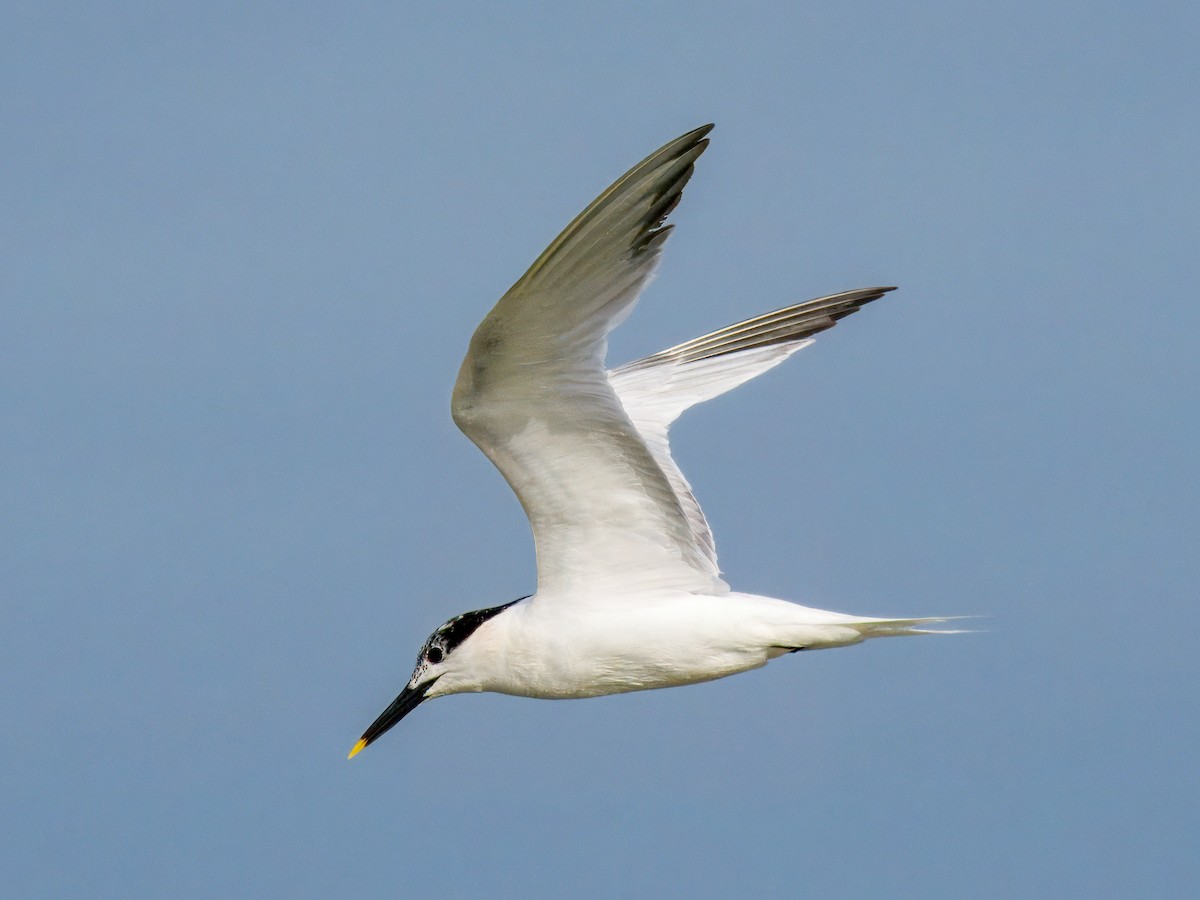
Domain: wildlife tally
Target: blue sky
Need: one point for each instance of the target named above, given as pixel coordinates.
(243, 250)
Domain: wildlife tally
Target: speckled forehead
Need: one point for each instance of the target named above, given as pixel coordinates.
(448, 636)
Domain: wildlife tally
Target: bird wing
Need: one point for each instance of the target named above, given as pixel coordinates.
(534, 396)
(656, 390)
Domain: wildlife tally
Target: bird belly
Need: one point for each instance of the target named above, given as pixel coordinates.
(617, 674)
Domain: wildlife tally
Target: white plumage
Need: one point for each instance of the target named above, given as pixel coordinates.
(629, 593)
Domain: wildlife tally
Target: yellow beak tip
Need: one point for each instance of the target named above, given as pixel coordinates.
(356, 749)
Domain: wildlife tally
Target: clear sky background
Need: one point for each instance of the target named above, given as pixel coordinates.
(244, 247)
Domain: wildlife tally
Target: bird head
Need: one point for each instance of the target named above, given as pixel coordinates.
(443, 667)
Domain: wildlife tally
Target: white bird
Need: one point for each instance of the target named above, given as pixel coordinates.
(629, 596)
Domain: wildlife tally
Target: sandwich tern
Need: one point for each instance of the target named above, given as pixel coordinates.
(629, 596)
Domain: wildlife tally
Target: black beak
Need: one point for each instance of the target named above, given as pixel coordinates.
(409, 699)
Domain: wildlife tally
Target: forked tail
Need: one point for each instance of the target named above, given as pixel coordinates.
(873, 628)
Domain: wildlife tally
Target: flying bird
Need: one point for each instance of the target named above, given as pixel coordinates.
(629, 596)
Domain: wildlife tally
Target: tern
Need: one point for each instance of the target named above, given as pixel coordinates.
(629, 596)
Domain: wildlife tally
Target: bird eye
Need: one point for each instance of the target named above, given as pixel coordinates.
(434, 655)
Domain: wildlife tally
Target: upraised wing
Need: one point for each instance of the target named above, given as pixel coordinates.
(534, 396)
(656, 390)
